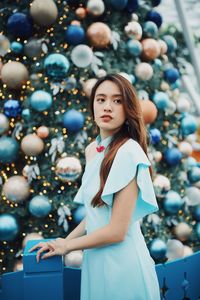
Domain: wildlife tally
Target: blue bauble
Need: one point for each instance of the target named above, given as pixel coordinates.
(73, 120)
(155, 135)
(171, 43)
(155, 17)
(75, 34)
(150, 29)
(70, 83)
(158, 249)
(194, 174)
(190, 162)
(134, 47)
(119, 4)
(161, 100)
(172, 156)
(171, 75)
(176, 84)
(26, 114)
(79, 214)
(9, 149)
(9, 227)
(173, 202)
(197, 213)
(41, 100)
(56, 65)
(12, 108)
(132, 5)
(157, 63)
(16, 47)
(20, 25)
(39, 206)
(132, 78)
(188, 124)
(155, 2)
(198, 229)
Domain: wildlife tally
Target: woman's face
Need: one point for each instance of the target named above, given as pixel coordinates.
(108, 101)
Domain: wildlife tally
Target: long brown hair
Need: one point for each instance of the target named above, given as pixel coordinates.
(135, 129)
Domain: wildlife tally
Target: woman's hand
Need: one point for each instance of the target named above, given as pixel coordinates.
(55, 247)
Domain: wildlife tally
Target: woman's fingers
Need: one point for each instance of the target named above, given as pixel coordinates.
(49, 254)
(36, 246)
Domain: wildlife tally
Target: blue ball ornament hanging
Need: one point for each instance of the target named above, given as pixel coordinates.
(134, 47)
(172, 156)
(171, 43)
(158, 249)
(26, 114)
(75, 34)
(188, 124)
(173, 202)
(155, 136)
(118, 4)
(155, 17)
(70, 83)
(161, 100)
(73, 120)
(171, 75)
(56, 65)
(39, 206)
(41, 100)
(9, 227)
(12, 108)
(132, 6)
(16, 47)
(150, 29)
(9, 149)
(194, 174)
(20, 25)
(79, 214)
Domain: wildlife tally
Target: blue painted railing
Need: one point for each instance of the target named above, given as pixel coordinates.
(49, 279)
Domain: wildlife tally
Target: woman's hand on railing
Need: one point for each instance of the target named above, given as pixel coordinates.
(54, 247)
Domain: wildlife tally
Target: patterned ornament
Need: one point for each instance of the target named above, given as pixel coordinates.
(68, 168)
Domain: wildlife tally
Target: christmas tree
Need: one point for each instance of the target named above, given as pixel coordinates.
(52, 53)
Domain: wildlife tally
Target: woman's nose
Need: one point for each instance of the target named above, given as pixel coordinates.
(107, 105)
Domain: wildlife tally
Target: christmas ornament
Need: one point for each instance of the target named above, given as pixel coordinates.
(81, 12)
(44, 13)
(163, 47)
(26, 115)
(174, 249)
(182, 231)
(172, 156)
(151, 49)
(41, 100)
(39, 206)
(79, 214)
(14, 74)
(171, 75)
(171, 108)
(161, 100)
(31, 237)
(4, 45)
(149, 111)
(32, 145)
(56, 65)
(172, 202)
(125, 75)
(187, 251)
(74, 259)
(144, 71)
(68, 168)
(9, 150)
(9, 227)
(73, 120)
(132, 6)
(188, 124)
(20, 25)
(99, 35)
(185, 148)
(4, 124)
(75, 34)
(43, 132)
(82, 56)
(18, 266)
(16, 47)
(155, 135)
(95, 7)
(155, 17)
(16, 189)
(133, 30)
(192, 196)
(88, 85)
(161, 183)
(158, 249)
(12, 108)
(194, 175)
(134, 47)
(171, 43)
(150, 29)
(33, 48)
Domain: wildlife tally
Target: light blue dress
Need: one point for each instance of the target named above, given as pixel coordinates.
(125, 270)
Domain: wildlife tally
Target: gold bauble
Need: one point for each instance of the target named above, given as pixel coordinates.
(44, 13)
(99, 35)
(32, 145)
(14, 74)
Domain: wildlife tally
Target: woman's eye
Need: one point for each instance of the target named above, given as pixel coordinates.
(118, 100)
(100, 99)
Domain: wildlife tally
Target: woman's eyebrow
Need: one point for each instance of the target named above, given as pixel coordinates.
(116, 95)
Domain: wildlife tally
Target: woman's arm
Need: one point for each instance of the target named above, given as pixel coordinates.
(78, 231)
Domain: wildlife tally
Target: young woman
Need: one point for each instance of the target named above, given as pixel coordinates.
(117, 192)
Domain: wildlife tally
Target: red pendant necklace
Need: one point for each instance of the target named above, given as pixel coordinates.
(100, 148)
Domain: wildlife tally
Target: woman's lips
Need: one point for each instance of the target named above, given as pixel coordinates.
(106, 118)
